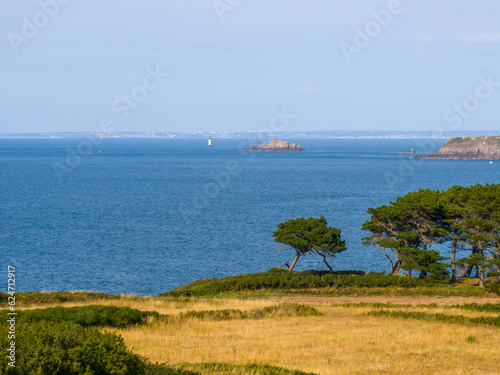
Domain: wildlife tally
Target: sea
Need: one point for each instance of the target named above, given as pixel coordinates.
(144, 215)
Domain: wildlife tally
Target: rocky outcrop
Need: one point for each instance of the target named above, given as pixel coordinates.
(410, 151)
(276, 145)
(467, 148)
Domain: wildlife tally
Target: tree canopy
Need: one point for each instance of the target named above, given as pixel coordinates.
(310, 235)
(410, 226)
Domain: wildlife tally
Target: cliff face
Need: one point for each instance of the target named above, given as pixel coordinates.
(467, 148)
(276, 145)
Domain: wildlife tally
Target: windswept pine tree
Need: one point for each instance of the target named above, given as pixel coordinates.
(478, 226)
(408, 227)
(312, 236)
(463, 217)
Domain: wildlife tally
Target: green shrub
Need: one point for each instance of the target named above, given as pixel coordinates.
(214, 315)
(438, 273)
(90, 315)
(48, 348)
(493, 288)
(285, 309)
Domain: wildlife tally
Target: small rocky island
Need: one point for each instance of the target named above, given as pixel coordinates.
(276, 145)
(467, 148)
(410, 151)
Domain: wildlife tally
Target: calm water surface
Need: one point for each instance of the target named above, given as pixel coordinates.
(148, 215)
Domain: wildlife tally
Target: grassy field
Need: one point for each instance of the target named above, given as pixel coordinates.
(345, 339)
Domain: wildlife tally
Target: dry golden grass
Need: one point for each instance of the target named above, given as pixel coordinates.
(343, 341)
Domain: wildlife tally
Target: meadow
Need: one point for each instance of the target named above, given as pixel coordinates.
(310, 333)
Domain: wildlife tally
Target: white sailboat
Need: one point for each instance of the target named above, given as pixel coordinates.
(209, 142)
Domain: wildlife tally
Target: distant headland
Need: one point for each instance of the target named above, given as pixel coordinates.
(467, 148)
(276, 145)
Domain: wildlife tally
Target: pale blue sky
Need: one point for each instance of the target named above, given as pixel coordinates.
(229, 75)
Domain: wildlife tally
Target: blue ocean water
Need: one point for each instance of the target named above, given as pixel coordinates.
(146, 215)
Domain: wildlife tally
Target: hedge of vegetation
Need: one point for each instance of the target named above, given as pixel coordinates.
(282, 279)
(232, 369)
(222, 369)
(86, 316)
(460, 319)
(61, 297)
(48, 348)
(485, 307)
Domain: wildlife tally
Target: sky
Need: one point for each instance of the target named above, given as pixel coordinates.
(234, 65)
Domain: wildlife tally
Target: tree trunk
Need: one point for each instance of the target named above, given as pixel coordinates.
(408, 273)
(481, 269)
(469, 271)
(422, 275)
(324, 260)
(453, 258)
(390, 260)
(477, 272)
(498, 270)
(290, 268)
(469, 268)
(396, 267)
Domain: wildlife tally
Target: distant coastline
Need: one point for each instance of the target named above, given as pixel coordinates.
(249, 135)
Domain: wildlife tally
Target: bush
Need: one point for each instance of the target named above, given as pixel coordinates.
(438, 273)
(47, 348)
(91, 315)
(3, 297)
(493, 288)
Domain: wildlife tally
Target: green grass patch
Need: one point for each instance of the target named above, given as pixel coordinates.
(86, 316)
(458, 319)
(485, 307)
(36, 298)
